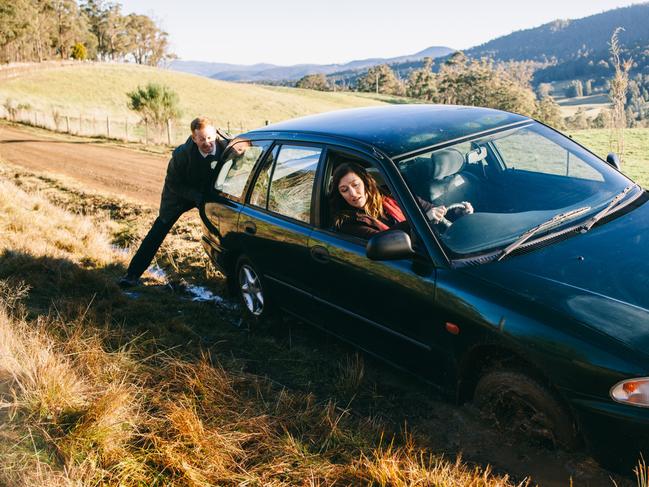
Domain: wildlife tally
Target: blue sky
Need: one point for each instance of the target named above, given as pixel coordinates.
(336, 31)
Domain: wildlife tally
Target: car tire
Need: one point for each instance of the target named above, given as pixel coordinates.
(521, 406)
(251, 290)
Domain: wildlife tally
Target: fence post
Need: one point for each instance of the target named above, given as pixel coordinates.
(107, 127)
(169, 131)
(267, 122)
(126, 129)
(146, 132)
(67, 123)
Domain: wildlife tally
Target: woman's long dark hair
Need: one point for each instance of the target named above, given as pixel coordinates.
(340, 209)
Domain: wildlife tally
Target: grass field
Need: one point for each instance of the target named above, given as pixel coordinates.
(99, 90)
(635, 160)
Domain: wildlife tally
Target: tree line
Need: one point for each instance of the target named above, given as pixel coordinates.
(458, 80)
(39, 30)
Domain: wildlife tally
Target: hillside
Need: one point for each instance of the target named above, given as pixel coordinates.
(567, 39)
(576, 48)
(99, 90)
(568, 49)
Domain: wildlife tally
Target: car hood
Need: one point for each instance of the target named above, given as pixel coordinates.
(600, 278)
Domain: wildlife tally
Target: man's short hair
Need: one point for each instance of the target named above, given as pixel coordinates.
(200, 123)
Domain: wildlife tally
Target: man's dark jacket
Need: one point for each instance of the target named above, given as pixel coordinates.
(188, 177)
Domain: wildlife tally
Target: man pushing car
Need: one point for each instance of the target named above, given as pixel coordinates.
(188, 175)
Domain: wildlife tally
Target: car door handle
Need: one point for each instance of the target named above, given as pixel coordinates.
(250, 228)
(320, 254)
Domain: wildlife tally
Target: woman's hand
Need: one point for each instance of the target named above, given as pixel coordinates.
(437, 213)
(468, 208)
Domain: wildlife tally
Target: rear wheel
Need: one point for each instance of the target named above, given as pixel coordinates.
(521, 406)
(251, 290)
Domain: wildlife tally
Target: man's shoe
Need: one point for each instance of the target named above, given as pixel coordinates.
(128, 281)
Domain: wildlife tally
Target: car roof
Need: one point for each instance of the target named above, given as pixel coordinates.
(399, 129)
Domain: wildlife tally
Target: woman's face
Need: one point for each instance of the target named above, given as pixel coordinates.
(352, 189)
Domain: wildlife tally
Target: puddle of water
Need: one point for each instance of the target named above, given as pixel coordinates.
(202, 294)
(157, 272)
(196, 293)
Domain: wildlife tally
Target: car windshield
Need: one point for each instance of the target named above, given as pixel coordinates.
(496, 188)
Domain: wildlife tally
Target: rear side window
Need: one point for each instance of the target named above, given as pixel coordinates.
(259, 195)
(237, 166)
(291, 182)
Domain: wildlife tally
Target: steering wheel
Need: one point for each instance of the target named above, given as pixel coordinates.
(465, 207)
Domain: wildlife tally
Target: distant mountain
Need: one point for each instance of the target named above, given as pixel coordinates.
(203, 68)
(569, 39)
(270, 72)
(576, 48)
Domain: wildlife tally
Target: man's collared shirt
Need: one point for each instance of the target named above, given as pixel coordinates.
(205, 154)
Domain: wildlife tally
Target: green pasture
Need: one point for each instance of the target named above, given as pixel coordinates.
(99, 90)
(635, 160)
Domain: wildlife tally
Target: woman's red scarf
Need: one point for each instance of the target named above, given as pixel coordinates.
(391, 208)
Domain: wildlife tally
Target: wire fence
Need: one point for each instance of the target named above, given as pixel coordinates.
(107, 126)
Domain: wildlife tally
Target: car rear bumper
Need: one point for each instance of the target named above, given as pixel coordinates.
(216, 253)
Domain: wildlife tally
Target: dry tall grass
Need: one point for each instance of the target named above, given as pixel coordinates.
(85, 400)
(77, 413)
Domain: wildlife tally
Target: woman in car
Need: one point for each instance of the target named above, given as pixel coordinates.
(360, 209)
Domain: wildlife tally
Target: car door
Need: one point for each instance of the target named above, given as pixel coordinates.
(387, 308)
(220, 214)
(275, 224)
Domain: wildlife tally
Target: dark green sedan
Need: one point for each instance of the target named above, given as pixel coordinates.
(534, 304)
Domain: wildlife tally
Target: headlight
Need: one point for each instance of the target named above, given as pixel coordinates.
(632, 391)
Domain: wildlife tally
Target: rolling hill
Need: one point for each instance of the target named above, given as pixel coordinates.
(99, 90)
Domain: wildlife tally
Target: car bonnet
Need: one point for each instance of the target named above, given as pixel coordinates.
(600, 278)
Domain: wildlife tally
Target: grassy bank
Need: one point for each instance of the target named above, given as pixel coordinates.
(99, 90)
(150, 388)
(635, 161)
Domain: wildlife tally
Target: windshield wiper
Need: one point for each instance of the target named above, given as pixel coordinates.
(555, 220)
(609, 208)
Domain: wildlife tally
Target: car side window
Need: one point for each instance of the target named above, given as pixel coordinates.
(292, 181)
(336, 214)
(237, 166)
(259, 195)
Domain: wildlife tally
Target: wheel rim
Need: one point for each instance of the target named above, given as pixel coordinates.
(251, 291)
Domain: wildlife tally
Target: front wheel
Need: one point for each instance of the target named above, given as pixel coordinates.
(520, 405)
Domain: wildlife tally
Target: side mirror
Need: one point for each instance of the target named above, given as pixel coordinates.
(613, 160)
(389, 245)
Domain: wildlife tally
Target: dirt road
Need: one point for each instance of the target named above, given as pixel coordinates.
(98, 165)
